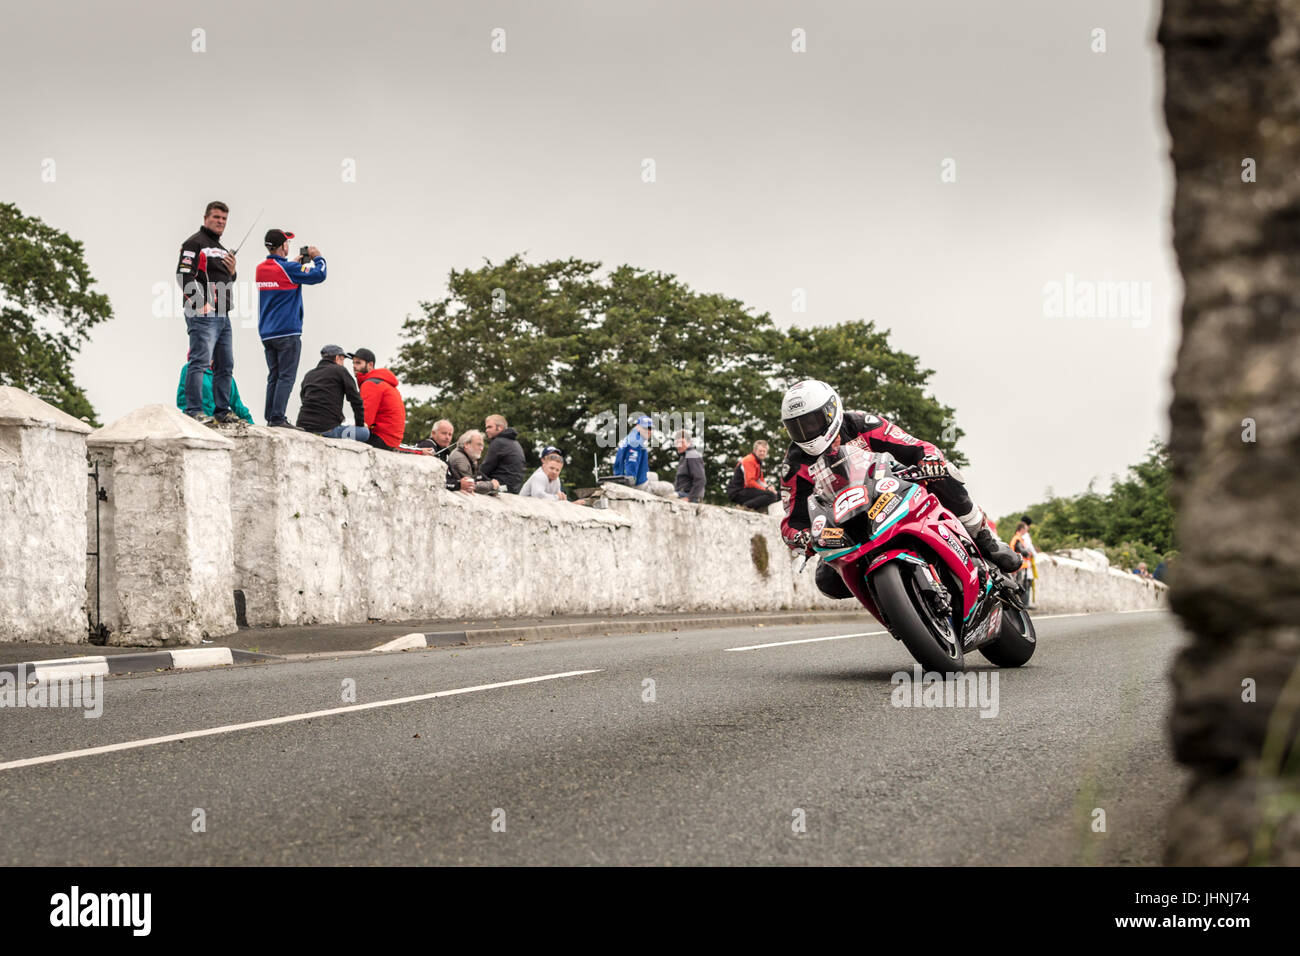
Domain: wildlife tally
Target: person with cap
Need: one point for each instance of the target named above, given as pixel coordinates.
(279, 322)
(385, 411)
(324, 390)
(209, 402)
(545, 481)
(206, 272)
(632, 460)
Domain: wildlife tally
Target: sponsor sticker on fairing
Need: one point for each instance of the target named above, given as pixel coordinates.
(818, 524)
(880, 504)
(887, 484)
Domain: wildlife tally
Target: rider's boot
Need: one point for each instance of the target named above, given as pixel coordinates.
(990, 546)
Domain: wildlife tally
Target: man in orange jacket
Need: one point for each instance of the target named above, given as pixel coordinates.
(747, 486)
(385, 411)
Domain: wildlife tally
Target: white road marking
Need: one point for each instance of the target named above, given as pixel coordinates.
(1142, 610)
(840, 637)
(273, 721)
(806, 640)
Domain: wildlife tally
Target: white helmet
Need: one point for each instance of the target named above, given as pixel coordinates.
(812, 415)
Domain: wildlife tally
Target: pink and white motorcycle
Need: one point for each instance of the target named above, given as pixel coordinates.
(912, 563)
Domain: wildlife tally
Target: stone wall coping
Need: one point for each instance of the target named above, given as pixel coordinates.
(159, 425)
(24, 409)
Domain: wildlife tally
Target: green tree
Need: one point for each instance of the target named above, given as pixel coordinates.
(1133, 521)
(561, 349)
(856, 359)
(47, 310)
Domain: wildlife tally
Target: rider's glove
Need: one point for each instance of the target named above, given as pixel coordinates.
(801, 541)
(931, 466)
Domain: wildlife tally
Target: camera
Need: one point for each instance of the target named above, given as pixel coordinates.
(303, 257)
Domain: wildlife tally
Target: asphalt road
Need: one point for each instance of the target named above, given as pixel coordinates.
(736, 749)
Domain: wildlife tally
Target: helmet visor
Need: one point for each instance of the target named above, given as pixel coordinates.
(811, 425)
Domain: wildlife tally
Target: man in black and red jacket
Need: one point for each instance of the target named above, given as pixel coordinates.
(812, 415)
(206, 273)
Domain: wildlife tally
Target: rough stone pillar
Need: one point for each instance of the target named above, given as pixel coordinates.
(166, 553)
(1232, 71)
(42, 521)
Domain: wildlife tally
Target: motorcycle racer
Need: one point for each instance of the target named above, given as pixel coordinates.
(816, 422)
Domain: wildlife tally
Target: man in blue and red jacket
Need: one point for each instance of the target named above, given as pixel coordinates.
(279, 322)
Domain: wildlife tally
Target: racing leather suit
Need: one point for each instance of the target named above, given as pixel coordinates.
(873, 433)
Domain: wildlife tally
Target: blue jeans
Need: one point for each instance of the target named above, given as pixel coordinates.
(356, 432)
(210, 344)
(281, 372)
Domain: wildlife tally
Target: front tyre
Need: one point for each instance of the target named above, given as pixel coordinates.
(1016, 640)
(927, 636)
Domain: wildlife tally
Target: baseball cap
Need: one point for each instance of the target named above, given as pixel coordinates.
(365, 355)
(551, 450)
(330, 351)
(646, 421)
(276, 238)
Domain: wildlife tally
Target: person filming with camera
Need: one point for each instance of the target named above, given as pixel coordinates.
(279, 323)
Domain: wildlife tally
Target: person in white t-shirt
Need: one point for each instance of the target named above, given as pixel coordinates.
(545, 481)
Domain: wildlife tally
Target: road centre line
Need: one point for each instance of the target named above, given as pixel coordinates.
(806, 640)
(274, 721)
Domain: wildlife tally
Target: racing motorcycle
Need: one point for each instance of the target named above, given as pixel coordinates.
(912, 563)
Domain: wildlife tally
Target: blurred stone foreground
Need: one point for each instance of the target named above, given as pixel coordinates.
(1232, 73)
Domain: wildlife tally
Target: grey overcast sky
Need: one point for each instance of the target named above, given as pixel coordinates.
(776, 171)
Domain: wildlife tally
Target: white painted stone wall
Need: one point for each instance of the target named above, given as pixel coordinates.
(42, 521)
(333, 531)
(1069, 585)
(166, 548)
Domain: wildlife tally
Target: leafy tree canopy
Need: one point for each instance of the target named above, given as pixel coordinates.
(564, 351)
(47, 310)
(1132, 522)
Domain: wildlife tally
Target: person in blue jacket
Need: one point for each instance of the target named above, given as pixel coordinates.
(632, 460)
(279, 322)
(209, 401)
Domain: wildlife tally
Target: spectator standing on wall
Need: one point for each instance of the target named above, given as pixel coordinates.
(385, 410)
(545, 481)
(206, 273)
(440, 439)
(462, 466)
(324, 390)
(279, 322)
(504, 461)
(748, 488)
(689, 483)
(209, 403)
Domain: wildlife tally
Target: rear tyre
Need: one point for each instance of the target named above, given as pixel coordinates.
(1016, 640)
(929, 638)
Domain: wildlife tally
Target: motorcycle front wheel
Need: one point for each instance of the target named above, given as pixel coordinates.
(928, 637)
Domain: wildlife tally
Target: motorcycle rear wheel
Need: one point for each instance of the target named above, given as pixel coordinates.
(1016, 640)
(928, 638)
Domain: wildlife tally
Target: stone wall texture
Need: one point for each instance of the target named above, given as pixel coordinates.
(42, 521)
(1232, 73)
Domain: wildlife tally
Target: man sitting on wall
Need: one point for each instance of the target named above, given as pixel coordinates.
(747, 487)
(440, 439)
(323, 390)
(385, 411)
(209, 403)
